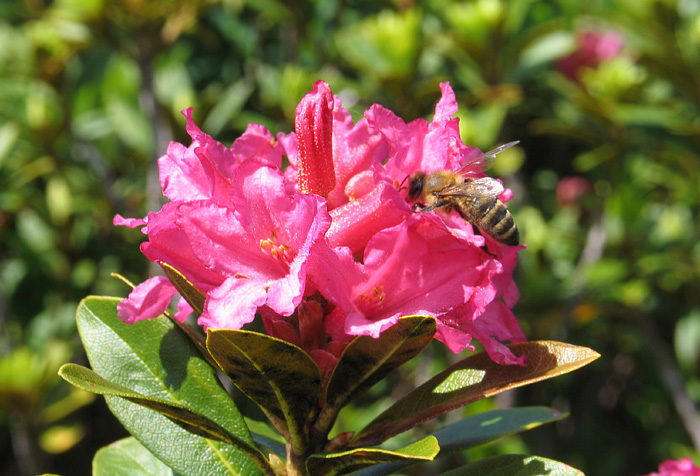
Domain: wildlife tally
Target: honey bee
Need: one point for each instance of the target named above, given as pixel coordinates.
(475, 199)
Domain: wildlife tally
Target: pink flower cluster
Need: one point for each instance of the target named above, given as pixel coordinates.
(327, 248)
(680, 467)
(571, 189)
(592, 48)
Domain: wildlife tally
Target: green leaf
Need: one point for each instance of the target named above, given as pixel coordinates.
(365, 361)
(515, 465)
(471, 379)
(187, 290)
(265, 435)
(280, 377)
(349, 461)
(89, 381)
(477, 430)
(194, 298)
(155, 359)
(128, 457)
(129, 123)
(488, 426)
(228, 105)
(385, 45)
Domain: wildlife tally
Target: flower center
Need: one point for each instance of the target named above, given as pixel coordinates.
(281, 252)
(375, 296)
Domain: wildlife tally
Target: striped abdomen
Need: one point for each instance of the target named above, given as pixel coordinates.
(492, 217)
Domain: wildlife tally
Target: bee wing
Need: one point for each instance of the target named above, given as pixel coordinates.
(485, 159)
(483, 187)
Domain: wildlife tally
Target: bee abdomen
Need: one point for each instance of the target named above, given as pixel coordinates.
(494, 218)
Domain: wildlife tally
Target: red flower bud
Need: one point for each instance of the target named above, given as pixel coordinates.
(314, 128)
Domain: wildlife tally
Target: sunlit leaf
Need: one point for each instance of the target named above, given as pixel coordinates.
(385, 45)
(58, 439)
(687, 340)
(228, 106)
(187, 290)
(9, 133)
(89, 381)
(129, 123)
(155, 359)
(128, 457)
(471, 379)
(333, 464)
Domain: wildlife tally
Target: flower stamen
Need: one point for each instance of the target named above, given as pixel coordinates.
(375, 297)
(281, 252)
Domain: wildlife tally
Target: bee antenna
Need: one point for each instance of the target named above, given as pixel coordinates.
(401, 187)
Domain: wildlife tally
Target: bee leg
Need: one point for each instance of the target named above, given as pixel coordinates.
(438, 204)
(417, 207)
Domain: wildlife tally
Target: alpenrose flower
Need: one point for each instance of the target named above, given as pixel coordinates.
(680, 467)
(327, 248)
(592, 49)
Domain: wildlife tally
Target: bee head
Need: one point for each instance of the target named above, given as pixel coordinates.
(415, 186)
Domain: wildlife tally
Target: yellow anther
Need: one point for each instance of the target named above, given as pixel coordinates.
(278, 251)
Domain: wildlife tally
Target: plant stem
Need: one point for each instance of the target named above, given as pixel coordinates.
(295, 463)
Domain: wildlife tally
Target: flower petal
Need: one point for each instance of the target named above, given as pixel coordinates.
(233, 304)
(447, 106)
(130, 222)
(258, 142)
(494, 326)
(183, 310)
(356, 147)
(354, 223)
(199, 171)
(266, 240)
(147, 300)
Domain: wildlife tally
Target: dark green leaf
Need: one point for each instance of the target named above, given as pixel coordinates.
(471, 379)
(477, 430)
(488, 426)
(365, 361)
(264, 434)
(128, 457)
(280, 377)
(155, 359)
(515, 465)
(348, 461)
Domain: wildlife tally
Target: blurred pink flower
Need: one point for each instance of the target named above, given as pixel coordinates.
(679, 467)
(592, 48)
(571, 188)
(328, 248)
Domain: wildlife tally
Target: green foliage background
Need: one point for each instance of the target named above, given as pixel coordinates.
(90, 94)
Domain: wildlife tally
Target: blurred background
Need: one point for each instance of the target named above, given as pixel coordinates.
(603, 95)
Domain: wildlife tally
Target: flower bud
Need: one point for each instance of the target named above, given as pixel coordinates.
(314, 129)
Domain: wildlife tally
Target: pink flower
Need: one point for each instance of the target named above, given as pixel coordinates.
(571, 189)
(680, 467)
(328, 248)
(231, 229)
(260, 245)
(593, 48)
